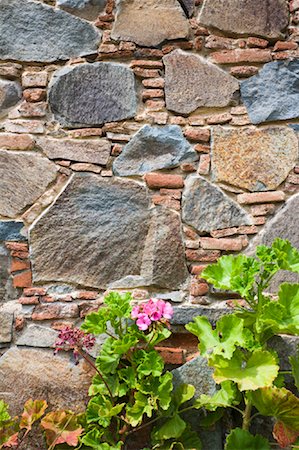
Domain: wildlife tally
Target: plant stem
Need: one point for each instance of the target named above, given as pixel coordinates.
(247, 415)
(98, 372)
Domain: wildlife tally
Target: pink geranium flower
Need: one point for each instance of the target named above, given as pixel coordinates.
(143, 321)
(151, 311)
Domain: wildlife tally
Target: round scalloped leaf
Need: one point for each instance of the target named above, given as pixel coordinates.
(240, 439)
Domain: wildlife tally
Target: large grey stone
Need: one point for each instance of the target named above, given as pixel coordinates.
(149, 22)
(24, 177)
(96, 151)
(192, 82)
(38, 336)
(10, 94)
(188, 6)
(257, 159)
(28, 373)
(94, 234)
(6, 320)
(87, 9)
(185, 314)
(206, 208)
(31, 31)
(92, 94)
(273, 93)
(267, 18)
(154, 148)
(11, 231)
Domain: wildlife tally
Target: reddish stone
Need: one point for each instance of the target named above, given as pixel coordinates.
(34, 94)
(18, 246)
(197, 134)
(34, 291)
(278, 56)
(19, 323)
(176, 194)
(257, 42)
(87, 295)
(155, 105)
(285, 45)
(146, 73)
(261, 220)
(23, 279)
(188, 167)
(171, 355)
(203, 255)
(47, 299)
(261, 197)
(162, 180)
(241, 56)
(28, 300)
(204, 164)
(59, 325)
(16, 141)
(54, 311)
(244, 71)
(191, 234)
(166, 201)
(196, 270)
(200, 148)
(85, 132)
(219, 119)
(196, 121)
(152, 93)
(19, 254)
(147, 64)
(148, 53)
(198, 288)
(234, 245)
(19, 264)
(154, 83)
(27, 109)
(262, 210)
(34, 79)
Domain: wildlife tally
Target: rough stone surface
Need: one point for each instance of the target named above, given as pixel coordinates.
(6, 320)
(93, 234)
(38, 336)
(11, 231)
(96, 151)
(154, 148)
(268, 18)
(207, 208)
(272, 94)
(87, 9)
(24, 177)
(149, 22)
(188, 6)
(253, 159)
(198, 373)
(191, 82)
(104, 91)
(10, 94)
(52, 378)
(185, 314)
(32, 31)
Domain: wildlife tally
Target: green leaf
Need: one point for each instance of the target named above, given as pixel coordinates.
(172, 428)
(121, 346)
(279, 403)
(4, 414)
(96, 322)
(141, 406)
(33, 410)
(165, 388)
(229, 334)
(92, 438)
(258, 371)
(101, 410)
(287, 255)
(61, 427)
(294, 360)
(226, 396)
(288, 299)
(149, 363)
(183, 394)
(240, 439)
(107, 361)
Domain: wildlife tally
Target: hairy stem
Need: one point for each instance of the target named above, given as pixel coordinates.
(247, 415)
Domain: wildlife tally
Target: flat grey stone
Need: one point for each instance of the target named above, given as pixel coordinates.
(24, 177)
(149, 22)
(6, 320)
(10, 93)
(32, 31)
(246, 17)
(11, 231)
(38, 336)
(185, 314)
(104, 91)
(87, 9)
(256, 159)
(154, 148)
(198, 373)
(206, 208)
(273, 93)
(192, 82)
(94, 234)
(96, 151)
(174, 296)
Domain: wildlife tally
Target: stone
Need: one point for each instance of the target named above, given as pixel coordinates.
(206, 208)
(163, 262)
(10, 94)
(272, 94)
(112, 216)
(32, 31)
(149, 22)
(185, 314)
(10, 141)
(12, 231)
(253, 159)
(188, 6)
(6, 320)
(250, 17)
(24, 178)
(96, 151)
(104, 91)
(191, 82)
(154, 148)
(87, 9)
(38, 336)
(53, 378)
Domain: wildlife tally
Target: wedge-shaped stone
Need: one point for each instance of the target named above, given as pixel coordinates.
(94, 234)
(267, 18)
(154, 148)
(191, 82)
(257, 159)
(92, 94)
(273, 93)
(207, 208)
(87, 9)
(24, 177)
(10, 95)
(149, 22)
(32, 31)
(96, 151)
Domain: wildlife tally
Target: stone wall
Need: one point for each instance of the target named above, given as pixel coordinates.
(139, 141)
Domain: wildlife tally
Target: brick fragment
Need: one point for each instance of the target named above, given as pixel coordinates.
(188, 167)
(198, 288)
(285, 45)
(162, 180)
(241, 120)
(38, 109)
(85, 132)
(146, 73)
(204, 164)
(191, 234)
(171, 355)
(196, 121)
(34, 94)
(261, 220)
(257, 42)
(261, 197)
(55, 311)
(47, 299)
(159, 118)
(152, 93)
(197, 270)
(148, 53)
(243, 71)
(28, 300)
(108, 48)
(262, 210)
(234, 245)
(166, 201)
(176, 194)
(87, 295)
(34, 79)
(18, 246)
(23, 279)
(178, 120)
(59, 325)
(154, 83)
(278, 56)
(19, 264)
(10, 70)
(197, 134)
(198, 43)
(86, 167)
(16, 141)
(203, 255)
(19, 323)
(293, 178)
(155, 105)
(294, 5)
(241, 56)
(219, 119)
(221, 43)
(34, 291)
(238, 110)
(146, 63)
(19, 254)
(201, 148)
(192, 244)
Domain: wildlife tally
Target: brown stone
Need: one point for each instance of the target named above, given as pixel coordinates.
(241, 56)
(257, 42)
(197, 134)
(285, 45)
(23, 279)
(16, 141)
(234, 245)
(46, 312)
(243, 71)
(27, 109)
(25, 126)
(34, 79)
(202, 255)
(261, 197)
(198, 288)
(162, 180)
(34, 94)
(262, 210)
(253, 159)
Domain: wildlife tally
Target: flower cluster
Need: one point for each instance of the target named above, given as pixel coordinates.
(74, 339)
(151, 311)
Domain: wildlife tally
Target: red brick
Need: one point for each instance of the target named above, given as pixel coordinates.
(47, 299)
(148, 53)
(116, 150)
(244, 71)
(175, 356)
(87, 308)
(23, 279)
(247, 229)
(34, 94)
(257, 42)
(59, 325)
(191, 234)
(166, 201)
(196, 121)
(188, 167)
(18, 246)
(146, 73)
(152, 93)
(241, 56)
(108, 48)
(261, 220)
(219, 119)
(147, 64)
(285, 45)
(162, 180)
(154, 83)
(261, 197)
(19, 264)
(219, 42)
(263, 210)
(16, 141)
(34, 291)
(203, 255)
(158, 117)
(54, 311)
(28, 300)
(19, 254)
(38, 109)
(197, 134)
(198, 288)
(200, 148)
(155, 105)
(196, 270)
(19, 323)
(234, 245)
(204, 164)
(293, 178)
(87, 295)
(192, 244)
(178, 120)
(278, 56)
(198, 43)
